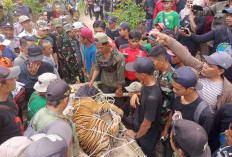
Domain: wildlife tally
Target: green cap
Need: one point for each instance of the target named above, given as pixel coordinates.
(101, 38)
(57, 22)
(67, 27)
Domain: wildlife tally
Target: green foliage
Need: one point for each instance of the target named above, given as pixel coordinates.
(130, 12)
(36, 7)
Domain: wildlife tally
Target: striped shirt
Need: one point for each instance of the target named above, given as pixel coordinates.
(210, 92)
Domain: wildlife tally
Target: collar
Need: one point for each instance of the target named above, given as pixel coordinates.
(135, 48)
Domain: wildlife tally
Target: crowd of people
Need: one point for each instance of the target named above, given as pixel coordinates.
(179, 81)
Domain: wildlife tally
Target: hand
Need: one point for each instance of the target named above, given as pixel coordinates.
(119, 93)
(228, 136)
(164, 134)
(134, 99)
(179, 114)
(130, 133)
(183, 33)
(161, 38)
(33, 68)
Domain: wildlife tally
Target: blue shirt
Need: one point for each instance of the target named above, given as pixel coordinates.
(9, 54)
(90, 56)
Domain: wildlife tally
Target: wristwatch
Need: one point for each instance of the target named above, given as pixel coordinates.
(135, 135)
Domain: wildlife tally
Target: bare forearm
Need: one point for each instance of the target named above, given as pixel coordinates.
(143, 130)
(169, 121)
(95, 74)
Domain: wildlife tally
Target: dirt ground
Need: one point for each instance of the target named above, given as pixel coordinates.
(87, 20)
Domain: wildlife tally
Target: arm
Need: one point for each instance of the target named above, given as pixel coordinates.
(167, 126)
(120, 75)
(33, 17)
(54, 5)
(91, 72)
(95, 74)
(192, 22)
(176, 30)
(145, 126)
(203, 38)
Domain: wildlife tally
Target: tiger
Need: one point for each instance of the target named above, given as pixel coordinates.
(85, 117)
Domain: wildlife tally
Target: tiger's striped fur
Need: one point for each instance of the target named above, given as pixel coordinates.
(84, 111)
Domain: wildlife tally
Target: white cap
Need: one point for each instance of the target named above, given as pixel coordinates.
(23, 18)
(134, 87)
(43, 81)
(77, 25)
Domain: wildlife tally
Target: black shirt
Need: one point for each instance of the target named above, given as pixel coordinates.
(120, 41)
(9, 124)
(187, 111)
(112, 34)
(149, 108)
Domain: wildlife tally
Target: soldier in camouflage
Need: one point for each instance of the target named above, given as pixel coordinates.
(68, 62)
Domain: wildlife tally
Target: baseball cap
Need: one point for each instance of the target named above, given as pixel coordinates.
(43, 81)
(112, 19)
(7, 24)
(124, 25)
(67, 27)
(101, 38)
(134, 87)
(219, 58)
(186, 77)
(50, 145)
(77, 25)
(35, 53)
(87, 33)
(16, 12)
(23, 18)
(6, 73)
(141, 65)
(229, 10)
(191, 137)
(57, 90)
(162, 26)
(42, 25)
(57, 22)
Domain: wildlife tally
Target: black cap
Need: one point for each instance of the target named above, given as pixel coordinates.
(6, 24)
(191, 137)
(17, 12)
(112, 19)
(35, 53)
(58, 90)
(141, 65)
(124, 25)
(186, 77)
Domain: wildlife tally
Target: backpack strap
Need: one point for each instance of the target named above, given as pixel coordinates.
(14, 111)
(201, 106)
(164, 21)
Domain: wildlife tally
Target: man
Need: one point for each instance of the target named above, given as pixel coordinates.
(25, 9)
(27, 26)
(41, 32)
(189, 139)
(30, 70)
(47, 52)
(175, 60)
(124, 29)
(148, 7)
(38, 97)
(57, 100)
(111, 64)
(17, 26)
(77, 63)
(77, 29)
(216, 11)
(46, 6)
(86, 38)
(5, 16)
(216, 89)
(8, 32)
(112, 31)
(25, 42)
(187, 101)
(147, 116)
(131, 51)
(10, 125)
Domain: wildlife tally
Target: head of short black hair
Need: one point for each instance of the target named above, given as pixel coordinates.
(42, 42)
(23, 40)
(135, 34)
(158, 51)
(99, 23)
(169, 32)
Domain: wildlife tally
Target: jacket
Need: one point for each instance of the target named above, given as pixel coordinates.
(188, 60)
(216, 11)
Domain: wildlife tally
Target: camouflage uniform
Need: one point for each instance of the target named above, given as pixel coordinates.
(67, 49)
(164, 80)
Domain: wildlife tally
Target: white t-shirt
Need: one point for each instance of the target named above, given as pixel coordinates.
(24, 33)
(210, 92)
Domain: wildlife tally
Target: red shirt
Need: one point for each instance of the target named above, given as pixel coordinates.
(112, 43)
(159, 8)
(130, 56)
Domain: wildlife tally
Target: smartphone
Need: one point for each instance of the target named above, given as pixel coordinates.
(186, 31)
(198, 7)
(151, 37)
